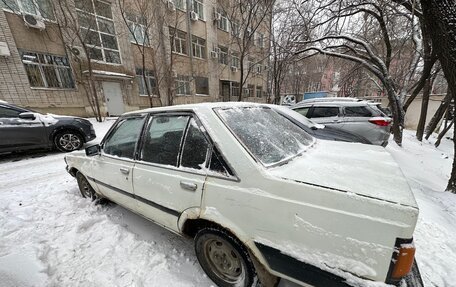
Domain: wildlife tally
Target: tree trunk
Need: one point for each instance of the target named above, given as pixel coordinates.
(443, 133)
(241, 82)
(396, 110)
(93, 89)
(439, 16)
(424, 109)
(438, 114)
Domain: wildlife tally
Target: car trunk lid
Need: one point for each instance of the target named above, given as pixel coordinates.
(365, 170)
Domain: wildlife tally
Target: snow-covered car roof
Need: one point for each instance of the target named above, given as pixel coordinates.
(200, 106)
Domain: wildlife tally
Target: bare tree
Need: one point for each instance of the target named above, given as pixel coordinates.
(286, 29)
(439, 16)
(138, 16)
(246, 19)
(74, 36)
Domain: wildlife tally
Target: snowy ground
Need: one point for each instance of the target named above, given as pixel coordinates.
(50, 236)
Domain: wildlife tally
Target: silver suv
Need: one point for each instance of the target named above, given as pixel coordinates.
(358, 117)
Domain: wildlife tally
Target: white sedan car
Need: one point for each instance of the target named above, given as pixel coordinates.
(261, 198)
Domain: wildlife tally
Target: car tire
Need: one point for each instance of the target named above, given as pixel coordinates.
(224, 258)
(67, 141)
(84, 187)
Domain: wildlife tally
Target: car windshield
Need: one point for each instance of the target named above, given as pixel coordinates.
(268, 136)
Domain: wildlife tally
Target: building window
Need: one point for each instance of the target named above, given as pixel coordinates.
(235, 30)
(235, 89)
(259, 91)
(183, 86)
(235, 59)
(260, 40)
(41, 8)
(223, 55)
(248, 92)
(198, 8)
(222, 24)
(178, 41)
(251, 64)
(48, 71)
(198, 47)
(150, 82)
(97, 29)
(137, 27)
(180, 4)
(202, 85)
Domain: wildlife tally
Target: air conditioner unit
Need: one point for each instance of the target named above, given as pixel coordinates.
(249, 31)
(193, 16)
(217, 16)
(173, 74)
(234, 69)
(171, 5)
(214, 54)
(34, 21)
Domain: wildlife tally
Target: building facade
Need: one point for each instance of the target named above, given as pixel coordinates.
(60, 56)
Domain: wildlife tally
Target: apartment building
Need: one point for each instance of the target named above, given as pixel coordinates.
(58, 56)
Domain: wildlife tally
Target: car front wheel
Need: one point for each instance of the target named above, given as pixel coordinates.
(224, 259)
(68, 141)
(84, 186)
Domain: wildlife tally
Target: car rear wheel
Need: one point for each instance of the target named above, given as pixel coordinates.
(84, 187)
(224, 259)
(68, 141)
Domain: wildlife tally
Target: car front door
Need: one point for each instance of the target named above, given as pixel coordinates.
(20, 133)
(169, 175)
(112, 169)
(327, 115)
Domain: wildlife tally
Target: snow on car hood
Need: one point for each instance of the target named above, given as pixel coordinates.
(365, 170)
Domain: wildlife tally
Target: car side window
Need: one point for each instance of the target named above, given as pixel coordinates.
(325, 112)
(302, 111)
(8, 113)
(196, 146)
(122, 141)
(218, 164)
(358, 111)
(163, 138)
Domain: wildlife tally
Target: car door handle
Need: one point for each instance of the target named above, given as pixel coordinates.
(188, 185)
(124, 170)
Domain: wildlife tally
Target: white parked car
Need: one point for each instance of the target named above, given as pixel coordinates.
(260, 197)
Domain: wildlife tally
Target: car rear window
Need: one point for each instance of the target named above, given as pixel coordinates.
(324, 112)
(268, 136)
(358, 111)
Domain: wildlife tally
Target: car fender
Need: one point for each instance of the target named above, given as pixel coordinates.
(212, 215)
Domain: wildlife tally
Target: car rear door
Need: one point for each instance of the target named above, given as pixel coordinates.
(20, 134)
(356, 121)
(329, 115)
(112, 170)
(170, 172)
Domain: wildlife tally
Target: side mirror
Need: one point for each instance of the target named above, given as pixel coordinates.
(27, 116)
(93, 150)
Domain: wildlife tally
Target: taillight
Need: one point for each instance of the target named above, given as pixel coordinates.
(404, 260)
(380, 122)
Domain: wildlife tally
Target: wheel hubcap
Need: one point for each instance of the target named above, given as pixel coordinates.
(224, 260)
(86, 188)
(69, 141)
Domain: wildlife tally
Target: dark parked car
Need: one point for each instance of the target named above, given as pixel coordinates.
(22, 129)
(318, 130)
